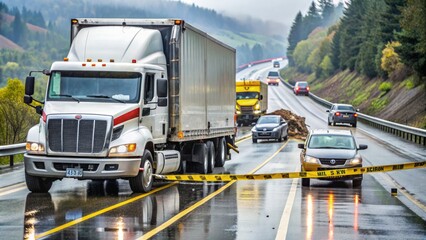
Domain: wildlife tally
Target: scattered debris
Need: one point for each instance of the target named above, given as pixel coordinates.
(296, 124)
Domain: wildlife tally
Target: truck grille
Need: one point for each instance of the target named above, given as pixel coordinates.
(246, 109)
(78, 135)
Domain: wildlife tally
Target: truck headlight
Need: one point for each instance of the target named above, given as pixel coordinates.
(35, 148)
(122, 149)
(257, 106)
(310, 159)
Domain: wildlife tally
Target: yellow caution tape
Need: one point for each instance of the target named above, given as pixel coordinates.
(334, 173)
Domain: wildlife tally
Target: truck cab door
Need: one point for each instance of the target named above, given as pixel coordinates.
(156, 118)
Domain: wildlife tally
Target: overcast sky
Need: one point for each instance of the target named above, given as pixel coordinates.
(281, 11)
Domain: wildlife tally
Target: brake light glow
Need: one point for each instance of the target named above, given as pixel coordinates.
(297, 88)
(133, 60)
(355, 114)
(337, 114)
(307, 88)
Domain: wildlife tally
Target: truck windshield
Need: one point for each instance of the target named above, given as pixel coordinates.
(94, 86)
(247, 95)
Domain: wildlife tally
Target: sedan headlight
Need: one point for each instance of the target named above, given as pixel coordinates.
(356, 160)
(122, 150)
(310, 159)
(35, 148)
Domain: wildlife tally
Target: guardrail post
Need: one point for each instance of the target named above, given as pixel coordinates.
(11, 160)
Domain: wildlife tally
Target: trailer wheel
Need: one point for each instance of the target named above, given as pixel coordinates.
(143, 181)
(200, 152)
(221, 153)
(37, 184)
(211, 156)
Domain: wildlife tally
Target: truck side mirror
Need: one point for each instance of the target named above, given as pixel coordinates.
(261, 97)
(29, 85)
(28, 99)
(162, 92)
(162, 88)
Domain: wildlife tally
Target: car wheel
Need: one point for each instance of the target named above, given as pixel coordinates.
(334, 123)
(306, 182)
(356, 183)
(254, 140)
(354, 125)
(280, 138)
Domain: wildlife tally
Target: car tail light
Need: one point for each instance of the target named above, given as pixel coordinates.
(297, 88)
(337, 114)
(355, 114)
(307, 88)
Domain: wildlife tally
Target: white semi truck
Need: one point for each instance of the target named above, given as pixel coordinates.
(133, 98)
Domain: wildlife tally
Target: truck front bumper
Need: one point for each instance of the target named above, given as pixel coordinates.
(93, 168)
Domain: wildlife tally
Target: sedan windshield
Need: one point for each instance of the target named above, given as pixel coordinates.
(247, 95)
(331, 141)
(94, 86)
(264, 120)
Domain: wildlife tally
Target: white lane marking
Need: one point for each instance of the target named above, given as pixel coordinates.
(285, 218)
(16, 188)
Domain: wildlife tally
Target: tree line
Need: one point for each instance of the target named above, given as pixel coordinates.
(376, 38)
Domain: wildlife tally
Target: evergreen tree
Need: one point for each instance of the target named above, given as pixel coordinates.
(18, 28)
(311, 20)
(327, 8)
(413, 37)
(295, 35)
(390, 19)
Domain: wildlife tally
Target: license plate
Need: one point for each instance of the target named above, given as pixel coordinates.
(345, 116)
(74, 172)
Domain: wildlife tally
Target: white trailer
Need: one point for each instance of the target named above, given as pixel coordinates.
(133, 98)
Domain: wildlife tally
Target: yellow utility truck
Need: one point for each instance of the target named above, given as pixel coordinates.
(252, 100)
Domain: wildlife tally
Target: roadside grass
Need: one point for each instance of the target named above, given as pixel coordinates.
(16, 159)
(378, 104)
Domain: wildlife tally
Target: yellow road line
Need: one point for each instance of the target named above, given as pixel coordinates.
(202, 201)
(97, 213)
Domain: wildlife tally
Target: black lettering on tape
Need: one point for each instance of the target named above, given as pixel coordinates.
(190, 177)
(322, 174)
(332, 173)
(302, 174)
(233, 177)
(285, 175)
(268, 176)
(419, 164)
(249, 177)
(203, 177)
(340, 172)
(375, 169)
(397, 167)
(218, 178)
(178, 178)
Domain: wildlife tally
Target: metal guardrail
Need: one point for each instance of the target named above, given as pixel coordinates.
(415, 135)
(11, 151)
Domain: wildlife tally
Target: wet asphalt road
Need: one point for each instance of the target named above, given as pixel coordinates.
(273, 209)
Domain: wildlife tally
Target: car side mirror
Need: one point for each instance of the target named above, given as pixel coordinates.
(301, 145)
(362, 147)
(357, 109)
(328, 110)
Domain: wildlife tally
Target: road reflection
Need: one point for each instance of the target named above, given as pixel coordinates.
(44, 212)
(336, 205)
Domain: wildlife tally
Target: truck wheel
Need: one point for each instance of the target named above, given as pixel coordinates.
(221, 153)
(254, 140)
(211, 156)
(143, 181)
(200, 152)
(37, 184)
